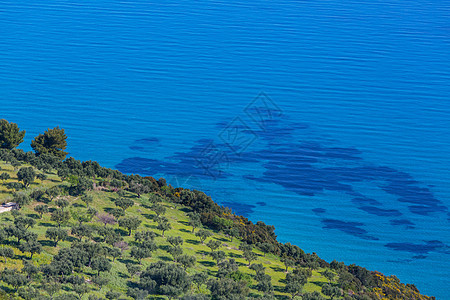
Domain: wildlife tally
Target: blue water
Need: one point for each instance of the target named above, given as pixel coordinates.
(329, 120)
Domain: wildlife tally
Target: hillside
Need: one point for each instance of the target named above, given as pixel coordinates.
(128, 237)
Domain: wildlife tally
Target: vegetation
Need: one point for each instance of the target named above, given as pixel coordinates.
(88, 232)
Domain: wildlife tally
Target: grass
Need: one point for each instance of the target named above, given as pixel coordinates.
(103, 200)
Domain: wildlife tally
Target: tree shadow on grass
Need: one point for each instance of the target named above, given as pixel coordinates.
(234, 255)
(186, 210)
(150, 226)
(193, 242)
(278, 269)
(123, 275)
(165, 258)
(185, 230)
(7, 290)
(318, 283)
(127, 261)
(208, 264)
(164, 247)
(222, 239)
(46, 224)
(47, 243)
(203, 252)
(33, 216)
(149, 216)
(78, 205)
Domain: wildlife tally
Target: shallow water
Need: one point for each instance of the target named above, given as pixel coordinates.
(327, 119)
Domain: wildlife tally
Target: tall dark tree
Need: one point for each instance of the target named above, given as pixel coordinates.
(26, 175)
(165, 279)
(60, 217)
(53, 142)
(56, 235)
(10, 135)
(130, 223)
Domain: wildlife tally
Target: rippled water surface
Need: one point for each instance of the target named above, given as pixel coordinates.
(329, 120)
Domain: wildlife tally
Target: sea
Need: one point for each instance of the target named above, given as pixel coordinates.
(328, 119)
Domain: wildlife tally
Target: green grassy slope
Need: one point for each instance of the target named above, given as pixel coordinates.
(103, 201)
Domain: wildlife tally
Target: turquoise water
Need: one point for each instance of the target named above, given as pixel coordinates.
(329, 120)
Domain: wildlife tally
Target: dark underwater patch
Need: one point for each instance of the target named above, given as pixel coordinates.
(319, 210)
(419, 249)
(261, 203)
(380, 212)
(363, 200)
(403, 222)
(352, 228)
(146, 144)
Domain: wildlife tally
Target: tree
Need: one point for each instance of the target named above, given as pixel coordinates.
(258, 268)
(175, 240)
(328, 275)
(100, 281)
(294, 284)
(41, 209)
(81, 289)
(41, 176)
(159, 209)
(344, 278)
(62, 203)
(110, 295)
(81, 215)
(117, 213)
(249, 256)
(165, 279)
(106, 219)
(28, 293)
(137, 293)
(31, 246)
(130, 223)
(6, 252)
(21, 199)
(51, 288)
(123, 246)
(100, 264)
(218, 256)
(175, 251)
(10, 135)
(266, 248)
(87, 199)
(331, 291)
(53, 192)
(139, 188)
(194, 221)
(163, 225)
(133, 269)
(214, 244)
(203, 234)
(198, 279)
(264, 284)
(56, 235)
(82, 231)
(124, 203)
(12, 277)
(227, 288)
(4, 176)
(187, 261)
(114, 253)
(60, 217)
(14, 186)
(288, 262)
(145, 235)
(139, 253)
(53, 142)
